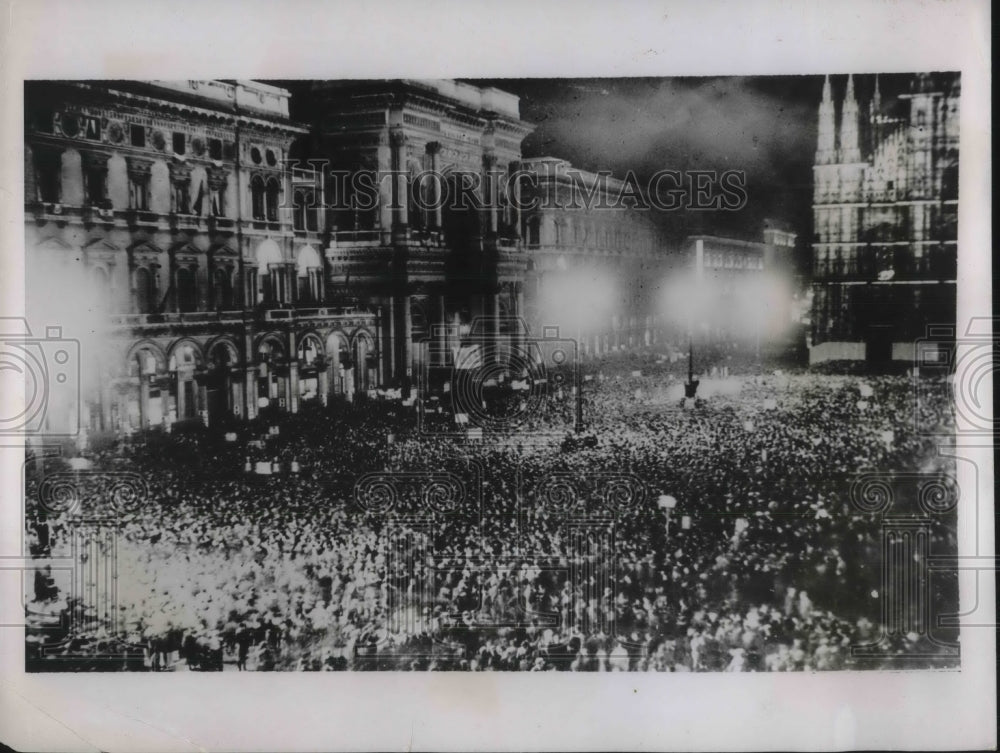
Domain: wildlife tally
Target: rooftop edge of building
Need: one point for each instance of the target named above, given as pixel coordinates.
(479, 99)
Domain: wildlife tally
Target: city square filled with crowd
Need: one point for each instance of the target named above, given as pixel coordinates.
(729, 533)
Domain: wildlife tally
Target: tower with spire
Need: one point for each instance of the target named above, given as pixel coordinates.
(826, 147)
(884, 212)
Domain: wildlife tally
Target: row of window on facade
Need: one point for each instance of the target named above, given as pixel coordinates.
(585, 234)
(719, 260)
(277, 286)
(860, 261)
(89, 127)
(944, 186)
(209, 197)
(271, 282)
(887, 225)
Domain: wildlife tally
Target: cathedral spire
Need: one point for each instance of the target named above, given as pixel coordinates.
(825, 144)
(849, 144)
(875, 117)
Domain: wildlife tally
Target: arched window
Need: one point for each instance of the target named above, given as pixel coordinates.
(309, 350)
(273, 192)
(257, 197)
(271, 272)
(144, 292)
(309, 271)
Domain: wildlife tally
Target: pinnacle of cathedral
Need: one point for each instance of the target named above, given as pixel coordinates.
(826, 138)
(849, 96)
(850, 151)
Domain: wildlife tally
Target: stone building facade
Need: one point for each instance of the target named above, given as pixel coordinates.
(439, 247)
(158, 235)
(885, 215)
(594, 264)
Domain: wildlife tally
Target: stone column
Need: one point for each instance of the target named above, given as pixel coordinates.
(143, 401)
(292, 386)
(521, 321)
(455, 340)
(442, 323)
(293, 374)
(251, 392)
(392, 344)
(181, 397)
(203, 404)
(384, 166)
(235, 393)
(433, 150)
(516, 208)
(323, 379)
(490, 191)
(494, 308)
(400, 218)
(407, 335)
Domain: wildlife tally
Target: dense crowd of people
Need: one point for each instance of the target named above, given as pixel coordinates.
(376, 541)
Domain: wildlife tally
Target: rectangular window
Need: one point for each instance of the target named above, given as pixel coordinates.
(218, 196)
(95, 179)
(92, 128)
(138, 191)
(137, 135)
(179, 143)
(48, 176)
(215, 149)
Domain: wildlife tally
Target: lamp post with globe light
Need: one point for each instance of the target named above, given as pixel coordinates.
(667, 503)
(684, 298)
(580, 299)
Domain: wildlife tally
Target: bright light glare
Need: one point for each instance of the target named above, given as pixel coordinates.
(578, 299)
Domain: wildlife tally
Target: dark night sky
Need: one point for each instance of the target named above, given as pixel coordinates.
(764, 126)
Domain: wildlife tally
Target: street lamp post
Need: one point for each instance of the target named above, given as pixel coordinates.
(691, 387)
(667, 503)
(579, 382)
